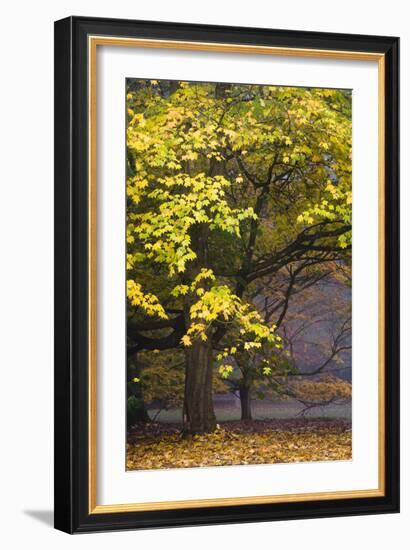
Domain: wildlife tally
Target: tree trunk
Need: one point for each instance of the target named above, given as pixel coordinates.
(245, 397)
(138, 413)
(199, 415)
(136, 408)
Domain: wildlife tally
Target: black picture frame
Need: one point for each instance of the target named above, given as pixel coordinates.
(71, 416)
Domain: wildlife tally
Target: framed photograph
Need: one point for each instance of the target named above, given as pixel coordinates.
(226, 274)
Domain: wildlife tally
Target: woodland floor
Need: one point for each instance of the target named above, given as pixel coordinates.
(155, 445)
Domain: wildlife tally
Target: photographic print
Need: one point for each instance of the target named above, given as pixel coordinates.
(238, 260)
(226, 339)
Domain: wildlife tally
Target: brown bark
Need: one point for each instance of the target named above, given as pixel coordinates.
(199, 415)
(245, 397)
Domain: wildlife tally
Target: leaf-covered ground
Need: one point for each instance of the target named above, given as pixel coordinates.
(155, 445)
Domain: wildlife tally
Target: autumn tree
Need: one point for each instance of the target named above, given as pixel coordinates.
(227, 185)
(318, 340)
(154, 377)
(310, 309)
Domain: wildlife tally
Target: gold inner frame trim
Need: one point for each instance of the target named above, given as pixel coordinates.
(93, 42)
